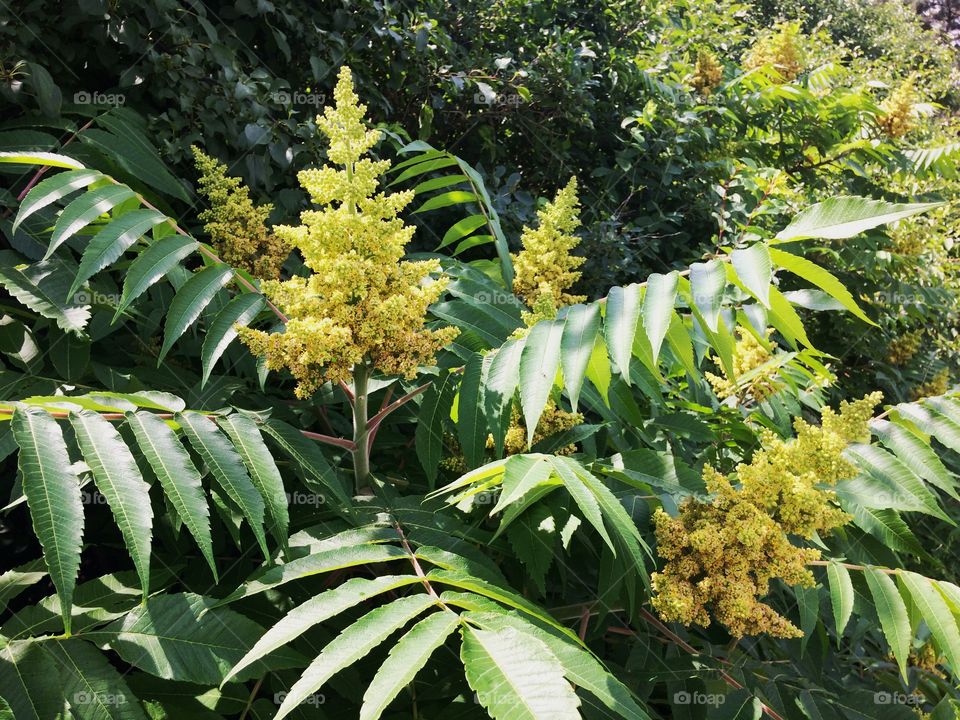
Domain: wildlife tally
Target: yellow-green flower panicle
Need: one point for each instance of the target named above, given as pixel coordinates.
(898, 118)
(544, 269)
(722, 554)
(707, 73)
(238, 228)
(363, 303)
(781, 50)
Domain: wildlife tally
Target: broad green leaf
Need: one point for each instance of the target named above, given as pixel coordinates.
(500, 389)
(119, 480)
(936, 614)
(181, 637)
(533, 539)
(405, 659)
(307, 454)
(352, 644)
(317, 610)
(846, 216)
(707, 282)
(52, 189)
(181, 483)
(40, 158)
(152, 264)
(539, 362)
(190, 301)
(681, 345)
(15, 581)
(754, 269)
(248, 442)
(111, 242)
(906, 489)
(52, 489)
(620, 326)
(84, 210)
(887, 525)
(580, 327)
(893, 615)
(222, 331)
(226, 466)
(785, 319)
(813, 273)
(584, 498)
(95, 689)
(841, 595)
(471, 425)
(516, 677)
(29, 681)
(579, 665)
(658, 302)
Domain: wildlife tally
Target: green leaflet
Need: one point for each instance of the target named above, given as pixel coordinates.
(29, 682)
(318, 609)
(119, 480)
(754, 269)
(707, 283)
(657, 310)
(308, 456)
(84, 210)
(471, 427)
(240, 311)
(516, 677)
(227, 468)
(190, 301)
(539, 363)
(893, 615)
(248, 442)
(53, 495)
(620, 326)
(352, 644)
(52, 189)
(846, 216)
(111, 242)
(841, 595)
(180, 637)
(152, 264)
(179, 478)
(580, 327)
(435, 408)
(815, 274)
(500, 388)
(936, 614)
(95, 689)
(405, 659)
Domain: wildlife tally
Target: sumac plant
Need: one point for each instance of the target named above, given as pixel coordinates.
(386, 487)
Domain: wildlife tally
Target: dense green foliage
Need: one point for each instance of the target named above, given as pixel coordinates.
(257, 467)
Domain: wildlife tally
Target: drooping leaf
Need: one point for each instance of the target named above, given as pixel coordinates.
(52, 189)
(811, 272)
(707, 282)
(222, 331)
(84, 210)
(539, 362)
(893, 615)
(181, 483)
(620, 326)
(52, 489)
(119, 480)
(190, 301)
(657, 309)
(580, 328)
(754, 269)
(841, 595)
(152, 264)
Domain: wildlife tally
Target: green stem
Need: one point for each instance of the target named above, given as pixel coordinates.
(361, 429)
